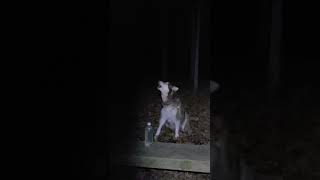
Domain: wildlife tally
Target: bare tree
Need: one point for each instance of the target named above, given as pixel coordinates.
(195, 49)
(275, 47)
(164, 43)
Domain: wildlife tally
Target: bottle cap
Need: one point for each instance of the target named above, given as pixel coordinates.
(149, 123)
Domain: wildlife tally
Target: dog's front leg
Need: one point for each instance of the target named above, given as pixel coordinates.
(162, 121)
(177, 123)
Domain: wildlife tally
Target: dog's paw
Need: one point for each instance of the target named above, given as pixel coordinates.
(178, 140)
(176, 137)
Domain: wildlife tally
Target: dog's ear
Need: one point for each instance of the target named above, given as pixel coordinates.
(174, 88)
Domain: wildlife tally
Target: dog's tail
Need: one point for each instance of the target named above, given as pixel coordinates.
(186, 126)
(214, 86)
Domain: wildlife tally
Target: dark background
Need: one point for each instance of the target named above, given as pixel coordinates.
(241, 45)
(240, 63)
(98, 55)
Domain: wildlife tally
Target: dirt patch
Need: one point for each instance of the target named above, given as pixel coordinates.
(151, 174)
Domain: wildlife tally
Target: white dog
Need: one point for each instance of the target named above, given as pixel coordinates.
(173, 114)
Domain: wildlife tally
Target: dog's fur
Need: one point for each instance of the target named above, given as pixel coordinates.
(173, 113)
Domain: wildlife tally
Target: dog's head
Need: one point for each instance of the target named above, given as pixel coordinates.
(166, 89)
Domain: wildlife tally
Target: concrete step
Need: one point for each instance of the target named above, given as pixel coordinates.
(171, 156)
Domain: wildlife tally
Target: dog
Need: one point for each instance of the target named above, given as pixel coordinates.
(173, 113)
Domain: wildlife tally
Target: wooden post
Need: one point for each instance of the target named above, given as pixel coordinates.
(275, 45)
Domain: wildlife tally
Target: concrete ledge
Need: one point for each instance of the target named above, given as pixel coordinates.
(171, 156)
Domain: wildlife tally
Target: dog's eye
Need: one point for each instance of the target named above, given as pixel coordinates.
(159, 87)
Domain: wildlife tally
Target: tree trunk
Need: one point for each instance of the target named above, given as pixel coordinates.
(195, 50)
(164, 64)
(275, 46)
(164, 44)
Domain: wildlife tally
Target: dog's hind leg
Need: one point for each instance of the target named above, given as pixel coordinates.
(177, 124)
(186, 119)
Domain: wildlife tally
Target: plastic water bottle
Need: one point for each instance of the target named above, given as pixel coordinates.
(148, 137)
